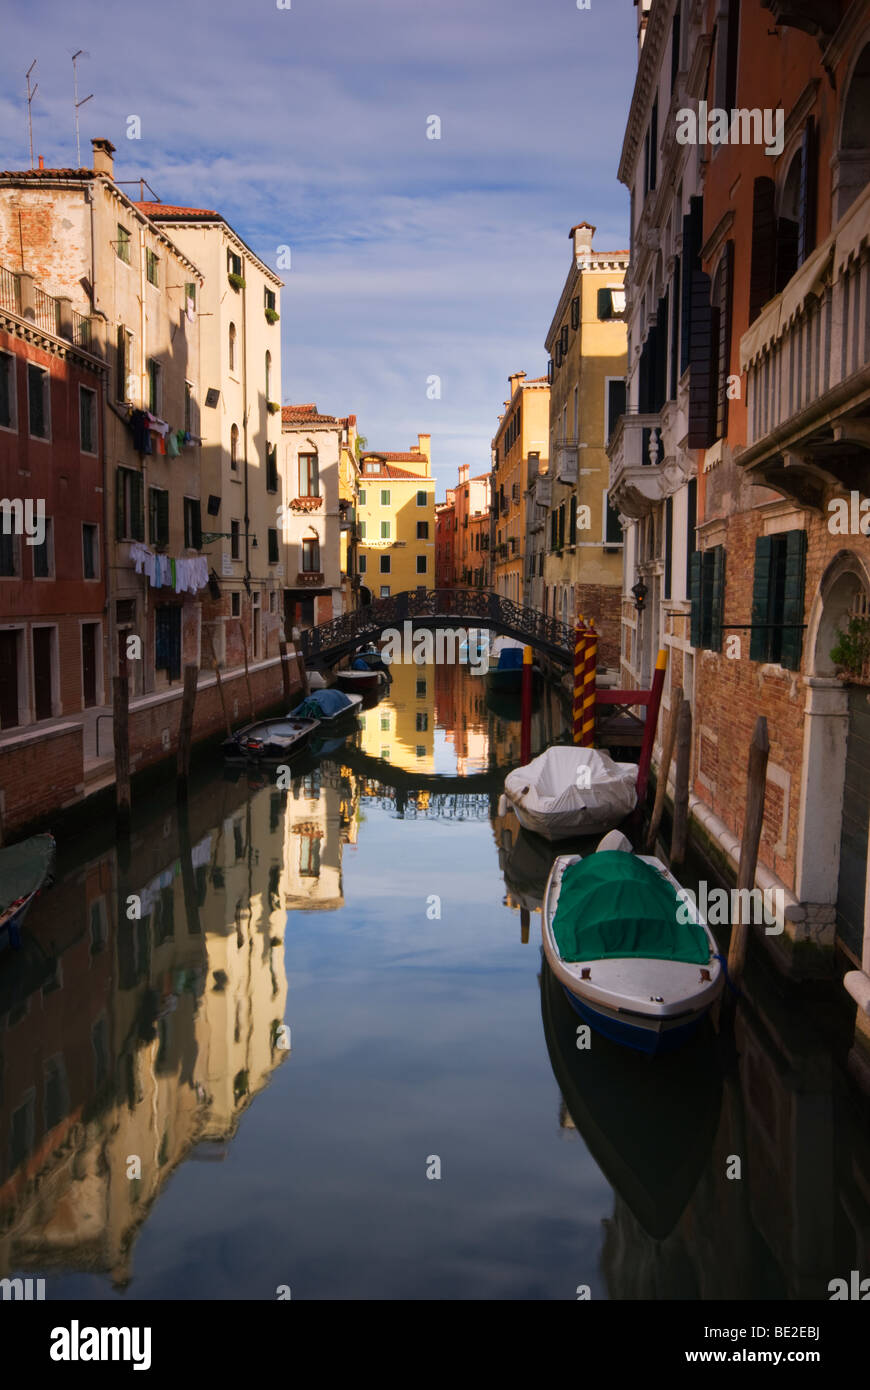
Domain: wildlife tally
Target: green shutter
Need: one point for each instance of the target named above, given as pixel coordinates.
(717, 595)
(119, 503)
(793, 600)
(162, 537)
(137, 507)
(196, 527)
(696, 561)
(605, 304)
(759, 645)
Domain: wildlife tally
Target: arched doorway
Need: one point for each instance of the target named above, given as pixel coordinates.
(833, 856)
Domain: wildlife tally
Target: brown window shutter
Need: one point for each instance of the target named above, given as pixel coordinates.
(808, 191)
(762, 274)
(725, 278)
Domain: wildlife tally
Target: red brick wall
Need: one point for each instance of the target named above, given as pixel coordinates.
(40, 775)
(602, 604)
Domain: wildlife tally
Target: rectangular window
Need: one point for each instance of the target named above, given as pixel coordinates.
(154, 386)
(235, 604)
(7, 391)
(37, 401)
(188, 406)
(691, 536)
(362, 530)
(612, 528)
(572, 520)
(562, 526)
(421, 564)
(269, 299)
(385, 564)
(707, 595)
(90, 551)
(422, 722)
(271, 467)
(124, 364)
(362, 564)
(385, 591)
(129, 505)
(385, 496)
(422, 497)
(421, 688)
(385, 530)
(158, 516)
(778, 599)
(615, 405)
(421, 751)
(310, 555)
(234, 263)
(43, 555)
(10, 566)
(87, 420)
(192, 523)
(309, 476)
(190, 296)
(362, 496)
(273, 545)
(235, 540)
(152, 262)
(122, 245)
(422, 530)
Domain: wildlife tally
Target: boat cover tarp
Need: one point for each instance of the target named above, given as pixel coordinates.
(360, 665)
(613, 905)
(510, 659)
(572, 791)
(24, 867)
(321, 704)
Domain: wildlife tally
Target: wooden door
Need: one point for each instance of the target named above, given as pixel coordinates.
(89, 664)
(42, 638)
(8, 680)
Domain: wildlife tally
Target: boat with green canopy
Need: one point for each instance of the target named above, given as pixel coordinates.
(634, 955)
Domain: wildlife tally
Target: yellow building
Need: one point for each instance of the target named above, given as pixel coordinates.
(519, 449)
(397, 521)
(348, 502)
(401, 728)
(582, 537)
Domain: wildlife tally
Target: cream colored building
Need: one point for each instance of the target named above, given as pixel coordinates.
(242, 484)
(311, 446)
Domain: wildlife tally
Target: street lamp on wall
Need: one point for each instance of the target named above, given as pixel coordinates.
(640, 592)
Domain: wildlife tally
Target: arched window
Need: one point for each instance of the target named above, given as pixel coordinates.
(234, 447)
(268, 376)
(232, 347)
(852, 161)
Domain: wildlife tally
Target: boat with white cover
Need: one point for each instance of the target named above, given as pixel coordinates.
(569, 791)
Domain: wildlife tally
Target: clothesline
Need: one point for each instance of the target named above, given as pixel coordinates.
(166, 440)
(164, 571)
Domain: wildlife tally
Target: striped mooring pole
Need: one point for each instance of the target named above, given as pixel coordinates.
(579, 653)
(590, 665)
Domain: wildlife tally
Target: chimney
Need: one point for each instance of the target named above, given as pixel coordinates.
(513, 379)
(582, 235)
(41, 163)
(103, 161)
(463, 473)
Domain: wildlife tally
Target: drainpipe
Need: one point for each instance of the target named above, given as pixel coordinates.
(245, 414)
(148, 666)
(104, 457)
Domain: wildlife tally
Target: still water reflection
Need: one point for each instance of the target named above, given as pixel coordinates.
(326, 987)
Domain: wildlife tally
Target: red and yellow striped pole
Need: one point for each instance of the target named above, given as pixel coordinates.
(590, 665)
(579, 653)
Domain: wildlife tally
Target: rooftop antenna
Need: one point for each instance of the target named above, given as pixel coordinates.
(30, 96)
(76, 103)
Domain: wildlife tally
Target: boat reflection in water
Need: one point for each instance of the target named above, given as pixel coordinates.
(648, 1123)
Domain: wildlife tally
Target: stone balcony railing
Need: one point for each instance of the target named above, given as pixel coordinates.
(20, 294)
(807, 364)
(637, 479)
(310, 578)
(565, 456)
(306, 504)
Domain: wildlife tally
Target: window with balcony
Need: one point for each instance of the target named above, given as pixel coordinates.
(310, 555)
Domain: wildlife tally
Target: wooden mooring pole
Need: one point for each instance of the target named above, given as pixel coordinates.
(526, 708)
(650, 725)
(680, 828)
(303, 674)
(664, 770)
(590, 667)
(121, 738)
(756, 783)
(579, 654)
(285, 670)
(185, 731)
(247, 674)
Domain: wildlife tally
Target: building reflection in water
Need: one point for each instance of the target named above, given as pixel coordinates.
(131, 1043)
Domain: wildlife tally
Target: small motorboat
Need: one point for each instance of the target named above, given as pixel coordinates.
(327, 706)
(507, 674)
(359, 677)
(374, 659)
(569, 791)
(25, 869)
(270, 739)
(634, 956)
(316, 679)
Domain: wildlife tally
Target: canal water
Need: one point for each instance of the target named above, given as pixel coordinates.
(302, 1039)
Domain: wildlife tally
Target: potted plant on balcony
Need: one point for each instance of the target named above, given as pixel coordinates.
(851, 652)
(272, 315)
(273, 407)
(238, 282)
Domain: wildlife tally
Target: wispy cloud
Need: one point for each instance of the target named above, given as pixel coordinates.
(307, 127)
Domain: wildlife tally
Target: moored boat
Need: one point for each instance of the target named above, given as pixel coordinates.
(374, 659)
(269, 739)
(637, 961)
(327, 706)
(359, 678)
(568, 791)
(25, 869)
(507, 674)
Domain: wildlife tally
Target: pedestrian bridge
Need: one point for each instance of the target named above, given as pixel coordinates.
(329, 642)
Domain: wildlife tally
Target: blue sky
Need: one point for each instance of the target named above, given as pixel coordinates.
(307, 127)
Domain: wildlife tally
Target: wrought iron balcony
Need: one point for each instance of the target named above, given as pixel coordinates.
(808, 373)
(637, 481)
